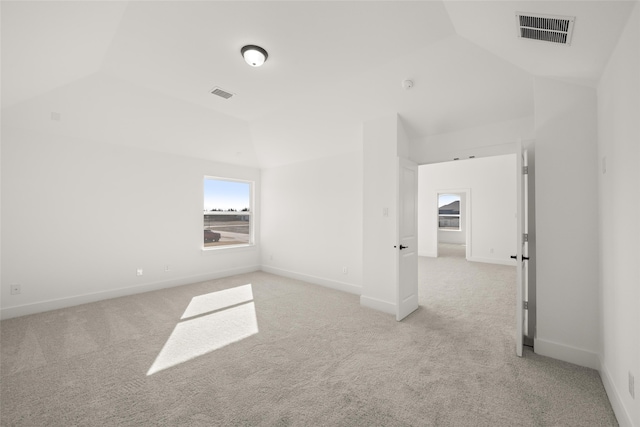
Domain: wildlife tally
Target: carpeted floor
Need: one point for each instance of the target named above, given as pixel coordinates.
(259, 349)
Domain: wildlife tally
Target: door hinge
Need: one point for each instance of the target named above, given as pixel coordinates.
(525, 305)
(525, 170)
(525, 237)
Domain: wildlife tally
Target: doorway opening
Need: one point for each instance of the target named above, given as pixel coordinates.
(493, 181)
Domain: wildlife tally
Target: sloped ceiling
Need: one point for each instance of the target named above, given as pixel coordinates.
(46, 45)
(139, 73)
(186, 48)
(492, 26)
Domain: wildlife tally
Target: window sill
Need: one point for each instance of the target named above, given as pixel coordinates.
(230, 248)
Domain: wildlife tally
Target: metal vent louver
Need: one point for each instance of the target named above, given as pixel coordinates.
(547, 28)
(222, 93)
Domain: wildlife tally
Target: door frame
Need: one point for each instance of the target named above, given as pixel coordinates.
(499, 150)
(521, 245)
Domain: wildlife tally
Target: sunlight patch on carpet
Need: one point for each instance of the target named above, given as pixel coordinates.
(213, 301)
(231, 319)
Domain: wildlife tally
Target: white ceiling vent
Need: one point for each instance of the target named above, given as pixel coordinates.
(222, 93)
(547, 28)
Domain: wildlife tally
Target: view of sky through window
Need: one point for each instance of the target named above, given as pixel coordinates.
(445, 199)
(225, 195)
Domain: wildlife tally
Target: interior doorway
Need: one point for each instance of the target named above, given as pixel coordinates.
(493, 215)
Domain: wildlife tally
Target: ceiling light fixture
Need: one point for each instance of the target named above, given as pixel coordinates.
(254, 55)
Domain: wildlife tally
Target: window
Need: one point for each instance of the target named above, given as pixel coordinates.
(449, 212)
(228, 215)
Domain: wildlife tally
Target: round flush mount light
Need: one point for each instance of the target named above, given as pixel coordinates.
(254, 55)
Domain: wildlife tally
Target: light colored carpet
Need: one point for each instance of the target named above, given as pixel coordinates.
(303, 355)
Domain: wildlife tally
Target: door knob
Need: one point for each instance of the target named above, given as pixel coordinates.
(514, 257)
(403, 247)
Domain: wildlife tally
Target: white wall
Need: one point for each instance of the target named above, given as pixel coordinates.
(619, 210)
(79, 217)
(492, 185)
(566, 221)
(493, 139)
(312, 221)
(457, 237)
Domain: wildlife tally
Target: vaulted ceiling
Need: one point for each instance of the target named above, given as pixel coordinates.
(140, 73)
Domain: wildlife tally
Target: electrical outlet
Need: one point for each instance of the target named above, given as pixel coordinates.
(167, 268)
(16, 289)
(139, 272)
(345, 270)
(632, 386)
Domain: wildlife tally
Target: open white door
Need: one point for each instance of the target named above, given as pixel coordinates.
(521, 241)
(407, 233)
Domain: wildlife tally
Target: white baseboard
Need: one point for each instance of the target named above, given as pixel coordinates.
(592, 360)
(567, 353)
(55, 304)
(493, 261)
(427, 254)
(377, 304)
(333, 284)
(624, 419)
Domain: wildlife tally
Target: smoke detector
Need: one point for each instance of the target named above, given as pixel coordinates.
(407, 84)
(548, 28)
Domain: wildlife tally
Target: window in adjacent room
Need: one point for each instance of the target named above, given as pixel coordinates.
(228, 213)
(449, 212)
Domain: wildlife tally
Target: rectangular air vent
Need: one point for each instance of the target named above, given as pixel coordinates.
(222, 93)
(547, 28)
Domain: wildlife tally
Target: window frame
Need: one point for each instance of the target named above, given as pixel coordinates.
(251, 213)
(458, 215)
